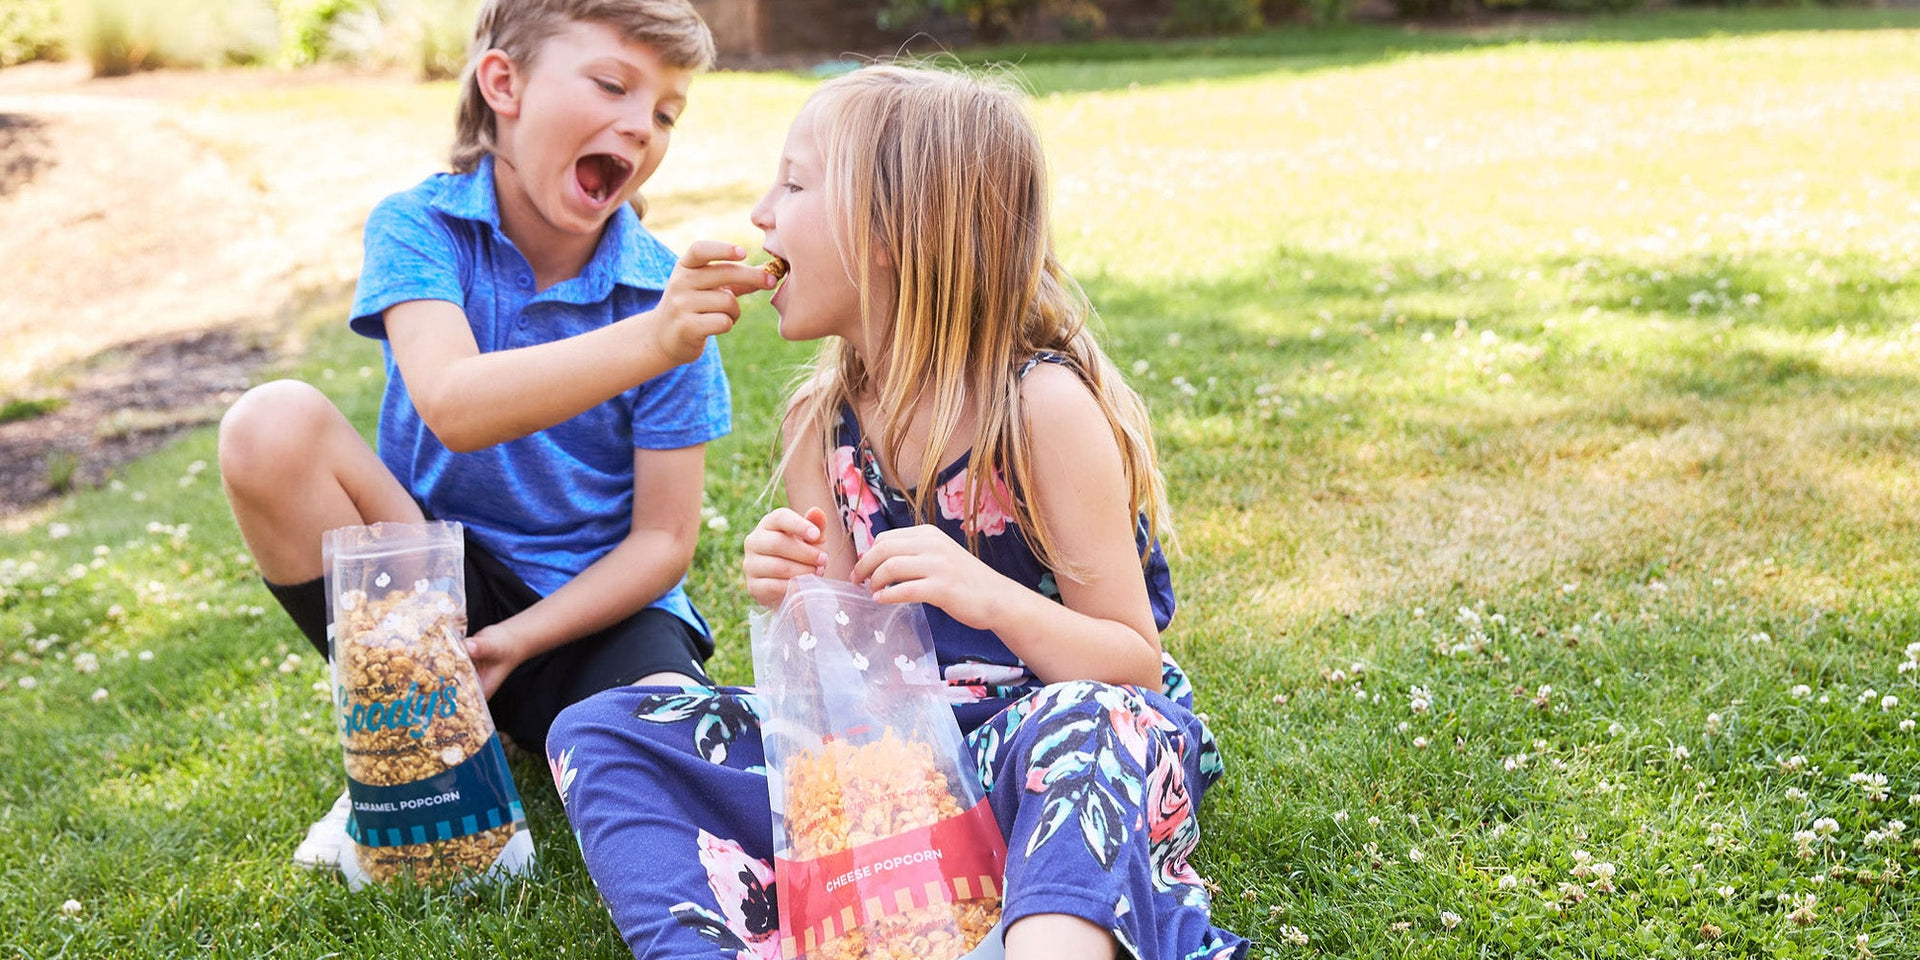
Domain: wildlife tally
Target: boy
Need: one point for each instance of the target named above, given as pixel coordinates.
(552, 377)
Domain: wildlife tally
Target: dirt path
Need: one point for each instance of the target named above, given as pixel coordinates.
(138, 219)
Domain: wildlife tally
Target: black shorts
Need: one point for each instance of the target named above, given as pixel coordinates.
(651, 641)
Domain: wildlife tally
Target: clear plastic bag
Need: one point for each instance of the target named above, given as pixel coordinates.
(884, 845)
(432, 796)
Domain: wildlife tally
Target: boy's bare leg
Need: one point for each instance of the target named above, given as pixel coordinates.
(294, 468)
(1058, 936)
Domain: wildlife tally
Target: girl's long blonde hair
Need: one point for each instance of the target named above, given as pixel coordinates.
(942, 185)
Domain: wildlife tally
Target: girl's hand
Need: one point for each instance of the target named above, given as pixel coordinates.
(923, 565)
(785, 545)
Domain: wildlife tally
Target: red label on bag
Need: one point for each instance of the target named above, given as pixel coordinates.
(959, 858)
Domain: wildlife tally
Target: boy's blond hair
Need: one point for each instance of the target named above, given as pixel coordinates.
(519, 27)
(941, 176)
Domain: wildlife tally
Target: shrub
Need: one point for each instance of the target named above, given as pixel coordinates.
(121, 36)
(432, 36)
(1212, 16)
(30, 30)
(316, 30)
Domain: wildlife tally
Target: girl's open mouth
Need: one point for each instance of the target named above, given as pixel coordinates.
(601, 175)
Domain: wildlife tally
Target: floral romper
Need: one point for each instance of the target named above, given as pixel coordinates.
(1095, 786)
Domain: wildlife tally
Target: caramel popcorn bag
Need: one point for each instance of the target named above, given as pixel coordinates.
(432, 796)
(884, 845)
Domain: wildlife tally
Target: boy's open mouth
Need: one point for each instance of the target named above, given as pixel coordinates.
(601, 175)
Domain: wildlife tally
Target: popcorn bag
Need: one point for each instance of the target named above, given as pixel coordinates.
(884, 845)
(432, 796)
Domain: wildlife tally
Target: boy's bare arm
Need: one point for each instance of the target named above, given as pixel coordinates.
(654, 556)
(471, 399)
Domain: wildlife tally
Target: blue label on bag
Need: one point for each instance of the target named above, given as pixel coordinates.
(476, 795)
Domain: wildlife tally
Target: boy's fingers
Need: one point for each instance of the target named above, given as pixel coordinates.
(702, 252)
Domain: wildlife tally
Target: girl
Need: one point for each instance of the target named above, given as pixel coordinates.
(962, 442)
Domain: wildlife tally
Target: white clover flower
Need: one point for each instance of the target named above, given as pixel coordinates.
(1796, 794)
(1826, 826)
(100, 695)
(1615, 729)
(1794, 764)
(1402, 726)
(1569, 588)
(1373, 821)
(146, 655)
(58, 531)
(1449, 919)
(1414, 854)
(1509, 882)
(1340, 816)
(1874, 785)
(718, 524)
(1800, 690)
(1680, 752)
(1713, 724)
(1906, 726)
(1419, 743)
(1293, 935)
(1726, 892)
(28, 682)
(1889, 701)
(1866, 695)
(71, 908)
(86, 663)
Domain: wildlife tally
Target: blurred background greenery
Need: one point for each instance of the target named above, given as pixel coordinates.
(429, 36)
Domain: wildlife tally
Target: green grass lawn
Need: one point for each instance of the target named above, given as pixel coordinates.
(1541, 414)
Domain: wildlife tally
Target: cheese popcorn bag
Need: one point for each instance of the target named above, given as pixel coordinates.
(884, 844)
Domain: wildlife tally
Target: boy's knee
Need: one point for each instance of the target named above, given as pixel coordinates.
(268, 429)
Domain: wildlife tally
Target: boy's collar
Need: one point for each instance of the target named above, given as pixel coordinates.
(627, 253)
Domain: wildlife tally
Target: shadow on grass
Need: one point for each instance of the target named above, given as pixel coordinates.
(1119, 64)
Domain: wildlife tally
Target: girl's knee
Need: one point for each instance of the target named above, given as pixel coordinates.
(270, 429)
(1088, 694)
(581, 723)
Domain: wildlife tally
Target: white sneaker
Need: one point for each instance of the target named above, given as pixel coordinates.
(326, 838)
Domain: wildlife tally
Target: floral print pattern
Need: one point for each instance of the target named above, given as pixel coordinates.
(989, 510)
(742, 885)
(723, 717)
(561, 766)
(854, 493)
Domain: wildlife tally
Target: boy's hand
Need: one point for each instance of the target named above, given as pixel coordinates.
(494, 655)
(921, 564)
(702, 298)
(785, 545)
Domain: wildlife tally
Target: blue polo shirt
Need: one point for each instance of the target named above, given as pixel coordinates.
(549, 504)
